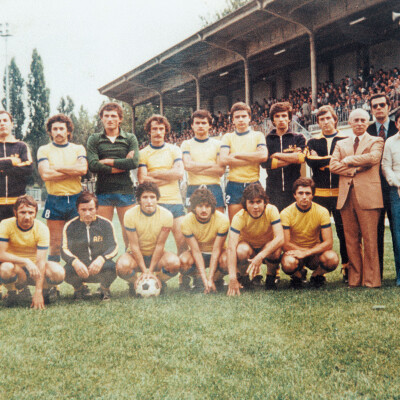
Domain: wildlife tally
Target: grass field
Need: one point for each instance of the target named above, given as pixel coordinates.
(310, 344)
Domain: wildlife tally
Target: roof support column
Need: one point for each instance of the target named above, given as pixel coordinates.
(313, 67)
(133, 120)
(161, 104)
(197, 80)
(246, 81)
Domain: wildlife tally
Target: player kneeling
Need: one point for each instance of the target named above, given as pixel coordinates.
(256, 236)
(89, 245)
(205, 231)
(148, 226)
(24, 242)
(305, 223)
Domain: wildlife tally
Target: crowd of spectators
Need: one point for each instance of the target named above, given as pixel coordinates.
(347, 95)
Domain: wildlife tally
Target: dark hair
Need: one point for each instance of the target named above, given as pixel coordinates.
(283, 106)
(25, 200)
(160, 119)
(240, 106)
(6, 112)
(201, 114)
(305, 182)
(325, 110)
(200, 196)
(112, 107)
(397, 116)
(87, 197)
(254, 191)
(63, 119)
(377, 96)
(147, 187)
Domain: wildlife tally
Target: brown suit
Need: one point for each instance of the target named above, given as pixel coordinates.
(359, 202)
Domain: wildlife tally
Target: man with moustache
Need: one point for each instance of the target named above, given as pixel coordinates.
(61, 165)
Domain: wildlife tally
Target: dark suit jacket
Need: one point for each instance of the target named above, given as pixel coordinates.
(392, 130)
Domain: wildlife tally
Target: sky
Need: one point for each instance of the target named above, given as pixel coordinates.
(85, 44)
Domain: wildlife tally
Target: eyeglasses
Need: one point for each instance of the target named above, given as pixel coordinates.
(381, 105)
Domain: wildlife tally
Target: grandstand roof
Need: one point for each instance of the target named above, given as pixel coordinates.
(259, 32)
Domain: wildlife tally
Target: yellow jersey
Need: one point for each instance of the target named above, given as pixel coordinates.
(247, 142)
(202, 151)
(256, 231)
(147, 226)
(205, 232)
(305, 226)
(62, 155)
(163, 158)
(24, 243)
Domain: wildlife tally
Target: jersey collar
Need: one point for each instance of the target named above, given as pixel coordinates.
(24, 230)
(201, 140)
(157, 147)
(60, 145)
(146, 214)
(243, 133)
(303, 211)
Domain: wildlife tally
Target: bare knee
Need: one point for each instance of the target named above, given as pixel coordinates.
(243, 252)
(125, 265)
(55, 273)
(7, 271)
(186, 260)
(329, 260)
(172, 263)
(289, 264)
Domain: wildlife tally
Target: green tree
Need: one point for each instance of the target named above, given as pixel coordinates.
(39, 107)
(230, 5)
(66, 106)
(84, 127)
(16, 93)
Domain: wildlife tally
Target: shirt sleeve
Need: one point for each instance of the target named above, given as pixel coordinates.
(237, 223)
(261, 139)
(325, 218)
(129, 163)
(177, 153)
(4, 232)
(185, 227)
(129, 222)
(43, 240)
(81, 152)
(93, 156)
(285, 219)
(225, 141)
(185, 147)
(223, 226)
(143, 158)
(274, 213)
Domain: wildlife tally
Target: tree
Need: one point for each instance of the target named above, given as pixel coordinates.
(230, 5)
(39, 107)
(16, 93)
(66, 106)
(84, 127)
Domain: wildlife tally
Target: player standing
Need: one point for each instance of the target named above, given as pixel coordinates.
(242, 150)
(61, 165)
(161, 163)
(201, 157)
(112, 154)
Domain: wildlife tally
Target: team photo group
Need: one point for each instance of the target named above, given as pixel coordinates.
(223, 235)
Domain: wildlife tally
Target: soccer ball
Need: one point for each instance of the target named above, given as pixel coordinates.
(148, 286)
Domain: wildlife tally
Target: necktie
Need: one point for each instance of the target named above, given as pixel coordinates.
(382, 132)
(356, 143)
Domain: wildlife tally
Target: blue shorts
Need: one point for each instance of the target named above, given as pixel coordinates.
(116, 199)
(215, 190)
(177, 210)
(207, 259)
(234, 192)
(60, 208)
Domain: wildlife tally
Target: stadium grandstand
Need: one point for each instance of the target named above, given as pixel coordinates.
(308, 52)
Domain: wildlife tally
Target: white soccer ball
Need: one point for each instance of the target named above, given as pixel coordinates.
(148, 286)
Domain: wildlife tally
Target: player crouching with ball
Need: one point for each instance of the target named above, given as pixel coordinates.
(148, 226)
